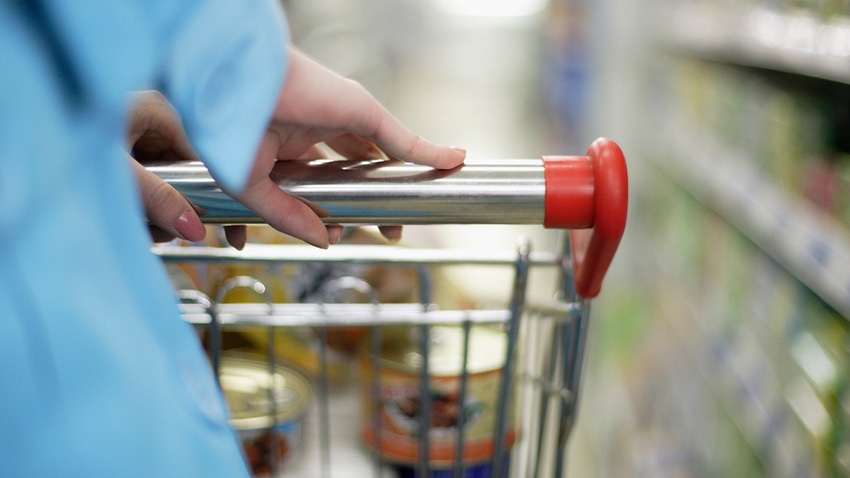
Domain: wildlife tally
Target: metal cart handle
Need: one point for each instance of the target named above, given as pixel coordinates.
(563, 192)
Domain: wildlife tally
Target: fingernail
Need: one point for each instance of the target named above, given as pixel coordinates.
(459, 150)
(189, 227)
(322, 242)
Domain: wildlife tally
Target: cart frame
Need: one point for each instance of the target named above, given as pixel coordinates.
(545, 343)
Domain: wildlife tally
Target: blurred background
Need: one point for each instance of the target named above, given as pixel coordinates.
(719, 345)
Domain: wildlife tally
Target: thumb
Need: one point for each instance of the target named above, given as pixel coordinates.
(166, 208)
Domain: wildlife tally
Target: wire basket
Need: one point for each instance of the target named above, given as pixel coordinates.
(438, 392)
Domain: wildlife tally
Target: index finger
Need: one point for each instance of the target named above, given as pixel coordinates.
(319, 101)
(395, 139)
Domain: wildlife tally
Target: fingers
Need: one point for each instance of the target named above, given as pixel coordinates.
(158, 235)
(156, 132)
(412, 148)
(401, 143)
(328, 105)
(146, 111)
(280, 210)
(354, 147)
(371, 120)
(166, 208)
(334, 233)
(392, 233)
(285, 213)
(315, 152)
(236, 236)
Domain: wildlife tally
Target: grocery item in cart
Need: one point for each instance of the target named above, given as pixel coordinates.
(396, 434)
(295, 345)
(267, 411)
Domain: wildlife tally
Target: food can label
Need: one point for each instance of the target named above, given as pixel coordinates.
(397, 434)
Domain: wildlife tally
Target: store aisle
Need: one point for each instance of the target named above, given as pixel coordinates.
(719, 345)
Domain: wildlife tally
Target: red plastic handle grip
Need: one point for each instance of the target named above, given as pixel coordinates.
(590, 195)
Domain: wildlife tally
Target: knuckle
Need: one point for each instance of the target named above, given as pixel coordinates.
(159, 195)
(413, 149)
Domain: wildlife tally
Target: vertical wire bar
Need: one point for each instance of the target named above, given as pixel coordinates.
(524, 375)
(550, 366)
(503, 405)
(566, 334)
(566, 290)
(571, 335)
(530, 339)
(459, 465)
(260, 289)
(333, 292)
(424, 377)
(424, 401)
(271, 352)
(215, 343)
(376, 353)
(557, 356)
(324, 418)
(214, 328)
(572, 375)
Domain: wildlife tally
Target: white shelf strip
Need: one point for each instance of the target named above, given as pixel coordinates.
(796, 41)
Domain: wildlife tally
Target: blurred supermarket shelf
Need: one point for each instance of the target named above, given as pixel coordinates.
(810, 244)
(793, 41)
(738, 378)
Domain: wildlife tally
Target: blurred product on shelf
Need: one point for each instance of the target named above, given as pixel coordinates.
(268, 411)
(770, 357)
(741, 362)
(567, 73)
(791, 133)
(391, 427)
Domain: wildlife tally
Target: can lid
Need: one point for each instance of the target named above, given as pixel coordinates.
(247, 385)
(487, 350)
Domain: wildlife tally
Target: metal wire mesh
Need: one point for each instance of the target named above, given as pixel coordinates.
(532, 399)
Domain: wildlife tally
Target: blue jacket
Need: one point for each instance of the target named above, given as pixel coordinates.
(98, 374)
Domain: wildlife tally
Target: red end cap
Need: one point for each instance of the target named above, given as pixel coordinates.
(569, 192)
(594, 249)
(589, 195)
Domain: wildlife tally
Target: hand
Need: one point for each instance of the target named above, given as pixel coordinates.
(319, 106)
(156, 135)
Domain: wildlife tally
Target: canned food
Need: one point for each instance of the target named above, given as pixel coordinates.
(267, 411)
(479, 470)
(396, 433)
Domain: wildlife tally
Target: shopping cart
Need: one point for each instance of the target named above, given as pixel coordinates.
(534, 387)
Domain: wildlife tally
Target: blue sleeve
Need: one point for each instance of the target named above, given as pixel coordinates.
(220, 62)
(100, 376)
(224, 74)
